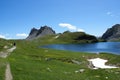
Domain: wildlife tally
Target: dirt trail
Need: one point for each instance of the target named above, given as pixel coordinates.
(8, 74)
(4, 54)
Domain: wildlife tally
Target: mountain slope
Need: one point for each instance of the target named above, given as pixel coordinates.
(112, 33)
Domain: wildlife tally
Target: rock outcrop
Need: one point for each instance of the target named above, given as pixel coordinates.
(112, 33)
(37, 33)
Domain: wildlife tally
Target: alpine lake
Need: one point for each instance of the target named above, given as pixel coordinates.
(108, 47)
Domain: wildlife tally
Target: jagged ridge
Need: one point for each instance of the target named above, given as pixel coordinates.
(36, 33)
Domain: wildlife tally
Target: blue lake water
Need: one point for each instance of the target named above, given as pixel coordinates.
(109, 47)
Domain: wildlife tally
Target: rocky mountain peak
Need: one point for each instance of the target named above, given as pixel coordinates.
(33, 30)
(112, 33)
(36, 33)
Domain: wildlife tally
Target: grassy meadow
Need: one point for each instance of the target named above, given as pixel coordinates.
(30, 62)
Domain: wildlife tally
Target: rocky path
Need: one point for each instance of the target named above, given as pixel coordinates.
(4, 54)
(8, 74)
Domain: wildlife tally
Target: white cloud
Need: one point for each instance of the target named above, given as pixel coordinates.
(2, 36)
(5, 36)
(80, 30)
(17, 36)
(21, 35)
(70, 27)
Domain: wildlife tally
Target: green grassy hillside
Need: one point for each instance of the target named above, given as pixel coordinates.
(77, 37)
(29, 62)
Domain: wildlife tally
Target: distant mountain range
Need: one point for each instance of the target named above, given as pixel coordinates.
(111, 34)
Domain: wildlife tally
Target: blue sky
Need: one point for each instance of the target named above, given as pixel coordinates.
(17, 17)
